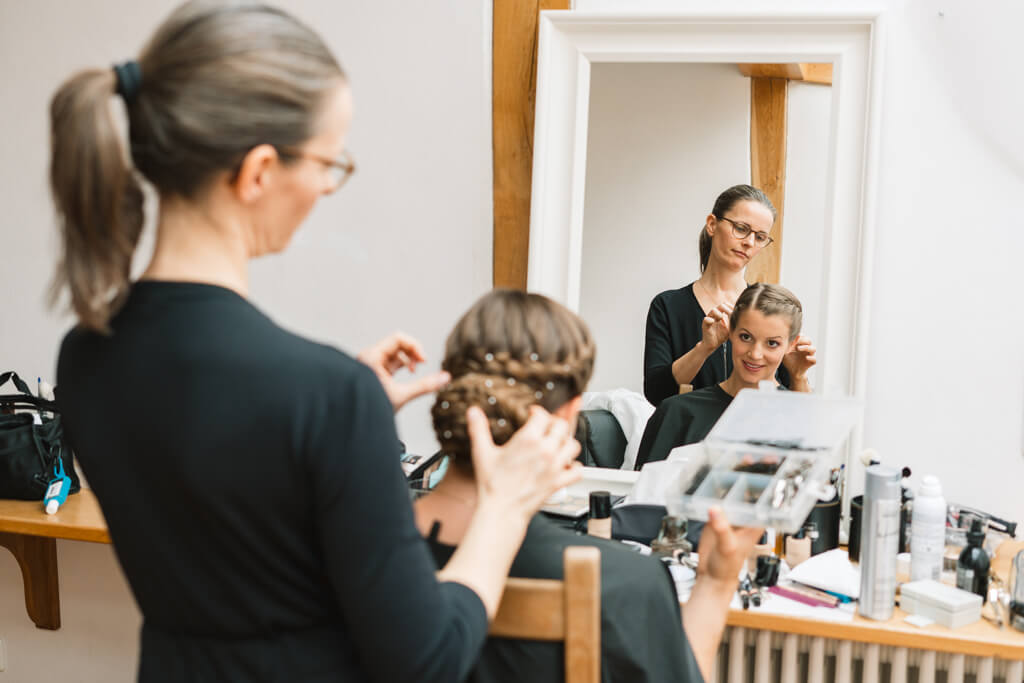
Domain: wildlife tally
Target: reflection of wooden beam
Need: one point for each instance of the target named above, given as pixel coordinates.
(811, 73)
(768, 165)
(514, 56)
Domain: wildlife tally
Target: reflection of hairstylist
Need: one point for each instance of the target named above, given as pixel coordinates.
(688, 328)
(250, 477)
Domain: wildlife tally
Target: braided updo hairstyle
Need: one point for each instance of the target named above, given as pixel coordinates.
(769, 300)
(511, 350)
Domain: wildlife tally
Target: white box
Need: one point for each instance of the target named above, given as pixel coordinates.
(946, 605)
(750, 460)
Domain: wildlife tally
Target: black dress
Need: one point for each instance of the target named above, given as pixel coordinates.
(681, 420)
(251, 483)
(642, 638)
(674, 326)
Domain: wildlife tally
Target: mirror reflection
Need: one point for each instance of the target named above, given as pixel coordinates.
(664, 141)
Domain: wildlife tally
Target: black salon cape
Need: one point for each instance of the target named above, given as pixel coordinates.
(681, 420)
(251, 483)
(642, 638)
(674, 326)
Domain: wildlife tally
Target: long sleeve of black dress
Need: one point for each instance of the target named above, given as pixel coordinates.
(251, 485)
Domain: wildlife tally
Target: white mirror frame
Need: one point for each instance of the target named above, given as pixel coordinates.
(570, 41)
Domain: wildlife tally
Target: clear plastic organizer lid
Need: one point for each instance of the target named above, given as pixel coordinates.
(767, 460)
(787, 419)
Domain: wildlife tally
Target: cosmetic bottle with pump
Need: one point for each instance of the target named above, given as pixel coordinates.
(972, 568)
(600, 522)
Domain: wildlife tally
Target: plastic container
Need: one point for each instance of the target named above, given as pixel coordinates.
(928, 531)
(767, 460)
(943, 604)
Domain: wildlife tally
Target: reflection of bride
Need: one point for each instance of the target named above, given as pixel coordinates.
(687, 326)
(763, 328)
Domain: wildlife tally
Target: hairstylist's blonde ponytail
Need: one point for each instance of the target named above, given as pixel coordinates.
(97, 197)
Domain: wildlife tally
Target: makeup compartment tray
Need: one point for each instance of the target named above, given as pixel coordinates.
(767, 460)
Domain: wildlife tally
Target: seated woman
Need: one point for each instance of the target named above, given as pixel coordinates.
(512, 351)
(763, 328)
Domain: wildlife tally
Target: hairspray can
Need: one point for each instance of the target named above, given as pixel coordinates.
(879, 541)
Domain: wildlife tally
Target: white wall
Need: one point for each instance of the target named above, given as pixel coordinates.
(406, 244)
(945, 362)
(663, 141)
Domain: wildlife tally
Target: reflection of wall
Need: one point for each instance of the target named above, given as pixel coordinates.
(806, 158)
(664, 140)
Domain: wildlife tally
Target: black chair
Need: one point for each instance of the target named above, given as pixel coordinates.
(602, 439)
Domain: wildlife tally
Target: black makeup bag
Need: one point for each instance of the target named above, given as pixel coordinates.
(31, 443)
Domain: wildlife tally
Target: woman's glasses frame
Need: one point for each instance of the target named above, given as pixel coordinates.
(340, 169)
(741, 230)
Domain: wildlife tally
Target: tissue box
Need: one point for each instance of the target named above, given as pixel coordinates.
(946, 605)
(767, 460)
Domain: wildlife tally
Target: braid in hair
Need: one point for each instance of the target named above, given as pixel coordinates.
(511, 350)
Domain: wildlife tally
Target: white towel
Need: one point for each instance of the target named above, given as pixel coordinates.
(631, 410)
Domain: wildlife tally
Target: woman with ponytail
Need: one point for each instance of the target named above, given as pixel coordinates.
(250, 478)
(687, 338)
(510, 353)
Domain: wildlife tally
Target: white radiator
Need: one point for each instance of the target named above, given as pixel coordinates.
(752, 656)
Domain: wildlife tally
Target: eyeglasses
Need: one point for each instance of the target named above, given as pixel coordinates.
(340, 169)
(741, 230)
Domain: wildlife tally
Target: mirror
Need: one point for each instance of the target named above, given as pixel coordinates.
(582, 135)
(663, 141)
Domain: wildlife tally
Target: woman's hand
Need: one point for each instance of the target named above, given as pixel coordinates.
(393, 353)
(716, 327)
(724, 550)
(538, 460)
(800, 359)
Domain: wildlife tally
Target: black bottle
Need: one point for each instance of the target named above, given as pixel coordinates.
(972, 567)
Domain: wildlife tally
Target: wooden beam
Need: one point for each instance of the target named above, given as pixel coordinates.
(768, 165)
(790, 71)
(514, 78)
(810, 73)
(817, 73)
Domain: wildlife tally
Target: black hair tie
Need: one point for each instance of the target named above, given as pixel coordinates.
(129, 78)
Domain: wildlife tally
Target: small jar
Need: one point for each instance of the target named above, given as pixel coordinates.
(600, 521)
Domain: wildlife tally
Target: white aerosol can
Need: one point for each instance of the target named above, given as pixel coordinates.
(879, 541)
(928, 531)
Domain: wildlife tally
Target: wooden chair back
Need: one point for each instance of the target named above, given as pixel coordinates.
(552, 610)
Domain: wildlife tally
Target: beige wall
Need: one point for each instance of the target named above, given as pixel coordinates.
(407, 244)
